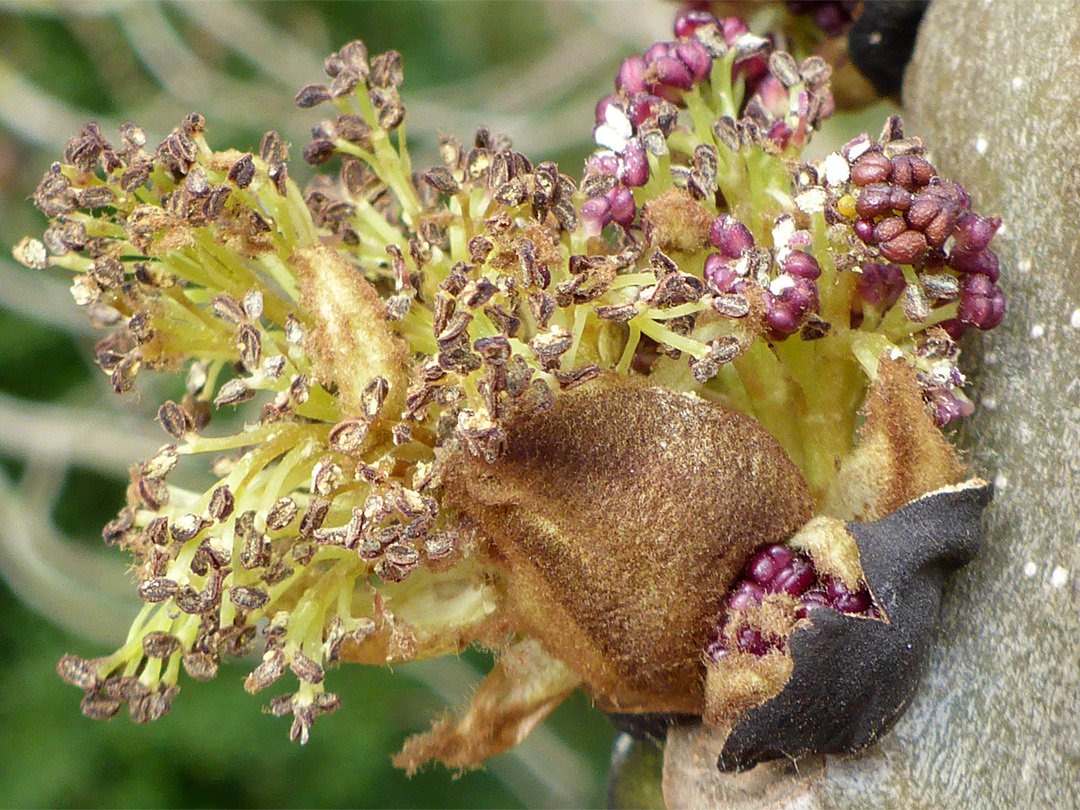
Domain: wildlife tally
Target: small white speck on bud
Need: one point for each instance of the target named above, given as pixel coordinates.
(837, 170)
(615, 131)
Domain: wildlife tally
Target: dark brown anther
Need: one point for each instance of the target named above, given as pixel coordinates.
(326, 477)
(892, 130)
(187, 526)
(139, 327)
(347, 436)
(704, 369)
(123, 376)
(249, 344)
(578, 376)
(99, 707)
(120, 687)
(281, 514)
(313, 517)
(318, 152)
(455, 330)
(440, 178)
(248, 598)
(233, 392)
(372, 398)
(391, 112)
(477, 293)
(305, 668)
(266, 673)
(156, 590)
(782, 66)
(221, 504)
(117, 529)
(255, 551)
(77, 672)
(706, 163)
(815, 71)
(157, 531)
(95, 197)
(242, 172)
(906, 248)
(200, 665)
(160, 645)
(353, 55)
(227, 308)
(386, 70)
(134, 178)
(311, 95)
(153, 492)
(193, 602)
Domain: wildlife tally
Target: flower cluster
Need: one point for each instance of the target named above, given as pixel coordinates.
(387, 329)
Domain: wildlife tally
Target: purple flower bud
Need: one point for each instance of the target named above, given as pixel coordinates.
(656, 50)
(596, 212)
(730, 236)
(602, 163)
(766, 564)
(844, 600)
(983, 263)
(696, 58)
(631, 77)
(732, 27)
(946, 407)
(772, 96)
(719, 271)
(634, 165)
(880, 285)
(954, 328)
(982, 303)
(643, 107)
(949, 190)
(787, 301)
(747, 594)
(690, 20)
(794, 578)
(751, 641)
(973, 233)
(864, 229)
(800, 263)
(780, 134)
(670, 72)
(813, 600)
(623, 207)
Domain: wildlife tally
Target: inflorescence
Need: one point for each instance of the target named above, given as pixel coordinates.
(375, 326)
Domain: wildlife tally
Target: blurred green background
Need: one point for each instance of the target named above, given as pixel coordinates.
(533, 70)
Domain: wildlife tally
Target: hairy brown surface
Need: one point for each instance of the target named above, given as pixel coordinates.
(618, 520)
(901, 453)
(676, 221)
(351, 343)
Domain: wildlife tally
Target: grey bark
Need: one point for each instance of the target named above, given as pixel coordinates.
(994, 89)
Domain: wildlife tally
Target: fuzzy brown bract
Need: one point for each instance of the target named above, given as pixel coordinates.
(617, 522)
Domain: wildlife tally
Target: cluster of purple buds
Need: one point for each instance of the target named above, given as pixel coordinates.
(909, 214)
(630, 169)
(879, 286)
(793, 294)
(731, 238)
(730, 28)
(777, 569)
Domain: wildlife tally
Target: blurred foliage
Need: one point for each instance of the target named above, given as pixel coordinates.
(239, 64)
